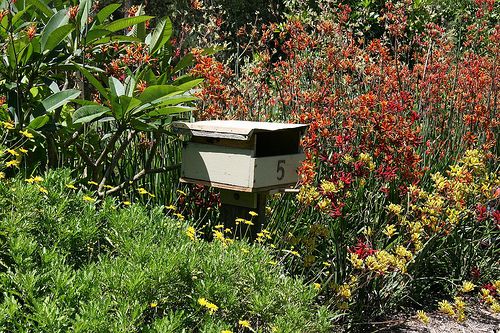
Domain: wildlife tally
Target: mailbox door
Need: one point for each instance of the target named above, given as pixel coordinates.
(217, 165)
(276, 171)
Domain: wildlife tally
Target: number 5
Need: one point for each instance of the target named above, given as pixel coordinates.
(280, 169)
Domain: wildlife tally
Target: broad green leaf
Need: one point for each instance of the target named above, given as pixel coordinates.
(126, 22)
(132, 103)
(57, 36)
(190, 84)
(58, 19)
(83, 13)
(169, 110)
(161, 34)
(19, 15)
(93, 81)
(96, 33)
(38, 122)
(177, 100)
(142, 126)
(185, 61)
(125, 39)
(106, 12)
(153, 93)
(87, 113)
(59, 99)
(42, 7)
(116, 87)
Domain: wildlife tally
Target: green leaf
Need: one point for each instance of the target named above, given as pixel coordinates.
(42, 7)
(58, 19)
(106, 12)
(131, 103)
(125, 39)
(96, 33)
(177, 100)
(126, 22)
(38, 122)
(185, 61)
(142, 126)
(169, 110)
(59, 99)
(116, 87)
(153, 93)
(93, 81)
(57, 36)
(190, 84)
(87, 113)
(160, 35)
(83, 13)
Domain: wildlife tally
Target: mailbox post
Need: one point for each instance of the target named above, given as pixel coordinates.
(244, 159)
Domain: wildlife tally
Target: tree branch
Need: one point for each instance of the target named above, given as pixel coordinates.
(138, 176)
(115, 159)
(109, 146)
(85, 157)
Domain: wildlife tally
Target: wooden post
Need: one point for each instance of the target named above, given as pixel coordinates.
(238, 205)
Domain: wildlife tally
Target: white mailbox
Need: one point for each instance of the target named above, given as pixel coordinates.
(242, 156)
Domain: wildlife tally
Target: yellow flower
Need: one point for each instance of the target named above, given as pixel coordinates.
(317, 286)
(390, 230)
(324, 204)
(43, 190)
(88, 198)
(248, 222)
(8, 125)
(22, 150)
(252, 213)
(403, 252)
(13, 163)
(170, 207)
(356, 261)
(244, 323)
(142, 191)
(207, 304)
(395, 209)
(226, 331)
(2, 175)
(181, 192)
(179, 216)
(191, 233)
(153, 304)
(92, 183)
(495, 307)
(71, 186)
(459, 303)
(468, 286)
(127, 203)
(12, 152)
(27, 134)
(345, 291)
(108, 186)
(422, 316)
(326, 264)
(368, 231)
(328, 187)
(446, 308)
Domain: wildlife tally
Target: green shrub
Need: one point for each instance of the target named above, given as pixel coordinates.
(70, 263)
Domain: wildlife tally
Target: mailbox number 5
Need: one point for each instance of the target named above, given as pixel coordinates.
(280, 169)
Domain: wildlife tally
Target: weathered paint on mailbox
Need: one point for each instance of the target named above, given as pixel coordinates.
(241, 155)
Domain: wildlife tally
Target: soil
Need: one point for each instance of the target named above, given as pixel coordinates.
(479, 321)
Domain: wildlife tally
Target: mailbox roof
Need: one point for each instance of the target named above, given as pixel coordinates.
(233, 129)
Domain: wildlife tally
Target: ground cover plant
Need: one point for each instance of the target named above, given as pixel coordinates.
(71, 262)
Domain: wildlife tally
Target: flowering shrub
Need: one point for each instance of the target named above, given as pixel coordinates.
(71, 261)
(389, 117)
